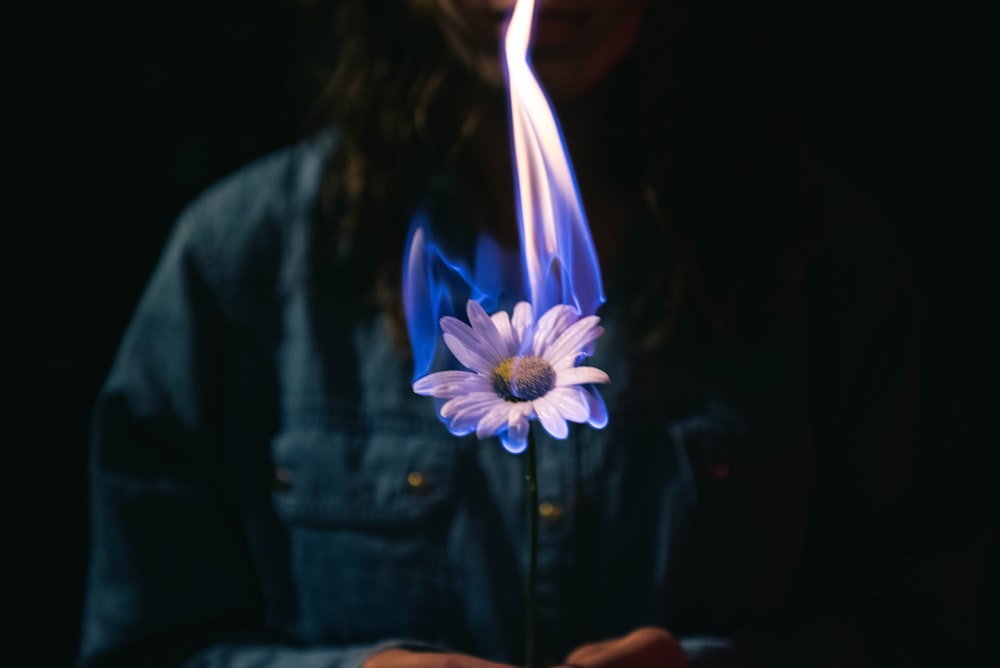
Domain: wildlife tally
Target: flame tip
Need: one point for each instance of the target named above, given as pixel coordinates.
(558, 260)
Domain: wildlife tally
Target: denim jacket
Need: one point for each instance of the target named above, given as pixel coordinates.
(267, 490)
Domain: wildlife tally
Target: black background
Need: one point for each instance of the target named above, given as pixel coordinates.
(118, 114)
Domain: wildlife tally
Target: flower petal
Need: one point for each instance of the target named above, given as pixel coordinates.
(551, 325)
(486, 331)
(474, 402)
(467, 421)
(512, 445)
(491, 423)
(450, 384)
(595, 402)
(579, 375)
(569, 403)
(502, 322)
(574, 341)
(515, 439)
(468, 351)
(549, 417)
(521, 320)
(461, 429)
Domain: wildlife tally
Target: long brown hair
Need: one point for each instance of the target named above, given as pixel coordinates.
(701, 128)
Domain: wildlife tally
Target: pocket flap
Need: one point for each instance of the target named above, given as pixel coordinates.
(335, 477)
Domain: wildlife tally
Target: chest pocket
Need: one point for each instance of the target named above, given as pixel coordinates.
(367, 512)
(740, 512)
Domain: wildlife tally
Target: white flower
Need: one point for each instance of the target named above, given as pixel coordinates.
(519, 371)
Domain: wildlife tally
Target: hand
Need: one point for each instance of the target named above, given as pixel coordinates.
(401, 658)
(648, 647)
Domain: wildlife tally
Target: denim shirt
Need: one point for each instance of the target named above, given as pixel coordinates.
(267, 489)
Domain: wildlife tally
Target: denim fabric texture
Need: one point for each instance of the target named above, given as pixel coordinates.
(268, 490)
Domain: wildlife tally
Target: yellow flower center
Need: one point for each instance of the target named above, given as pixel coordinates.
(523, 378)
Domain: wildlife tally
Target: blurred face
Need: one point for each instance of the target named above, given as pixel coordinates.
(575, 43)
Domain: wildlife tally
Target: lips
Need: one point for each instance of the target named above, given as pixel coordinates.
(552, 25)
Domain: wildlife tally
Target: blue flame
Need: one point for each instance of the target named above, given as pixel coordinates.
(438, 282)
(560, 262)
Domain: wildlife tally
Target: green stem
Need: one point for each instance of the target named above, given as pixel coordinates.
(531, 478)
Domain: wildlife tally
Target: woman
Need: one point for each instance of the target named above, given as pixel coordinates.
(770, 489)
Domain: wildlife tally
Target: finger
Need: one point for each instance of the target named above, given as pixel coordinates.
(400, 658)
(590, 650)
(644, 648)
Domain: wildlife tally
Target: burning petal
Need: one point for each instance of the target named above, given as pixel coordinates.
(519, 370)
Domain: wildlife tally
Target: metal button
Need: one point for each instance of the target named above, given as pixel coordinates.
(417, 482)
(550, 512)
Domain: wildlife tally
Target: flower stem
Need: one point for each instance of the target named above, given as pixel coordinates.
(531, 478)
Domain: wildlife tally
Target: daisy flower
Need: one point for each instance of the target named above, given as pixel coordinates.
(518, 371)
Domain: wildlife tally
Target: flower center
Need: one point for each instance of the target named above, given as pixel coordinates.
(523, 378)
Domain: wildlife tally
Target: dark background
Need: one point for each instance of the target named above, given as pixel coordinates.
(119, 114)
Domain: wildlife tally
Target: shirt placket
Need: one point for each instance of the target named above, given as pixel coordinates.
(556, 511)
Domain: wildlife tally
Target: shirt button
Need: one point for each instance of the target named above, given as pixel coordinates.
(417, 482)
(720, 471)
(550, 512)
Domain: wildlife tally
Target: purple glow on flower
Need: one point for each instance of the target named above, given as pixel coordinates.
(517, 369)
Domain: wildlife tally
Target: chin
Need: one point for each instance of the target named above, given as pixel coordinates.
(564, 80)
